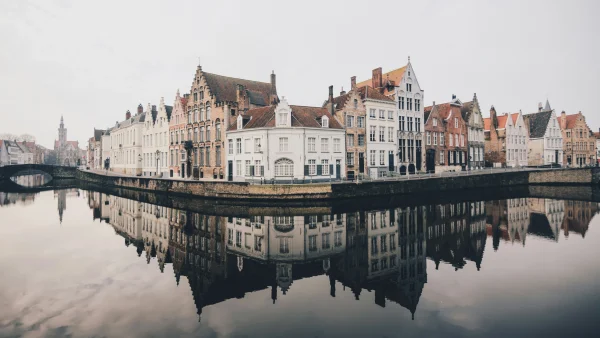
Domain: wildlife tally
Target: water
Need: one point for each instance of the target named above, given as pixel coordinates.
(89, 264)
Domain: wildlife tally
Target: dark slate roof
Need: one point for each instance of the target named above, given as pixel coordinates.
(340, 101)
(169, 111)
(466, 110)
(224, 88)
(426, 115)
(256, 98)
(537, 123)
(264, 117)
(98, 134)
(539, 225)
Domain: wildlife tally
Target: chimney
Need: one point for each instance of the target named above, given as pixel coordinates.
(563, 120)
(453, 97)
(493, 117)
(342, 92)
(273, 94)
(128, 115)
(140, 109)
(353, 83)
(376, 80)
(331, 99)
(540, 107)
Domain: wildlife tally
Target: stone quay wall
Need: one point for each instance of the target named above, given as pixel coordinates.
(321, 191)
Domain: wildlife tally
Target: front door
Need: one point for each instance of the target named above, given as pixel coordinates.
(391, 161)
(361, 163)
(430, 161)
(182, 172)
(230, 170)
(556, 156)
(419, 159)
(338, 168)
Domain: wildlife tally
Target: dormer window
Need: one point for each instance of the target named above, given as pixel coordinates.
(282, 118)
(239, 122)
(325, 122)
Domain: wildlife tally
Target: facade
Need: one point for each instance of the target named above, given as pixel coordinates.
(178, 166)
(382, 129)
(286, 144)
(597, 135)
(471, 113)
(67, 152)
(11, 153)
(451, 154)
(126, 144)
(155, 140)
(545, 146)
(506, 139)
(105, 149)
(94, 150)
(402, 86)
(578, 141)
(349, 110)
(215, 102)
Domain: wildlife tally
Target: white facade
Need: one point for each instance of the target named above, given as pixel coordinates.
(553, 142)
(11, 153)
(155, 142)
(106, 146)
(126, 145)
(517, 139)
(381, 130)
(285, 152)
(411, 121)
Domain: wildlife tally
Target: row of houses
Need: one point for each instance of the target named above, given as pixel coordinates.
(15, 152)
(235, 129)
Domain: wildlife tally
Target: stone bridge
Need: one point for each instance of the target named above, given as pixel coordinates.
(6, 172)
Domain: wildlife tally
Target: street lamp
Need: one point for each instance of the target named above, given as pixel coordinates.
(157, 160)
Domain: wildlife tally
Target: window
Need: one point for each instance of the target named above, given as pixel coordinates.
(325, 122)
(381, 134)
(282, 118)
(238, 238)
(325, 166)
(238, 148)
(337, 145)
(218, 156)
(372, 157)
(311, 144)
(451, 140)
(337, 239)
(312, 167)
(284, 245)
(349, 121)
(372, 131)
(434, 122)
(381, 114)
(361, 140)
(409, 121)
(456, 122)
(325, 241)
(247, 167)
(408, 103)
(390, 114)
(418, 124)
(312, 243)
(238, 168)
(382, 157)
(350, 159)
(442, 139)
(257, 168)
(428, 138)
(324, 145)
(390, 134)
(417, 105)
(283, 144)
(350, 140)
(361, 121)
(208, 134)
(372, 113)
(401, 123)
(435, 136)
(247, 146)
(218, 135)
(409, 87)
(401, 103)
(257, 145)
(284, 167)
(355, 103)
(374, 245)
(207, 111)
(383, 243)
(456, 140)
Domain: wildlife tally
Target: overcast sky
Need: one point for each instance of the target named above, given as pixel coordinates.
(93, 60)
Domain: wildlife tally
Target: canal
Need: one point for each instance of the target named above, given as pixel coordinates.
(84, 263)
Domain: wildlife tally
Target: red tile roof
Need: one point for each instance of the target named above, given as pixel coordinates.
(487, 122)
(571, 119)
(302, 116)
(370, 93)
(502, 121)
(445, 109)
(514, 116)
(394, 76)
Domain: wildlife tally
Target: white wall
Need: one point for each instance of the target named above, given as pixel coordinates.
(376, 147)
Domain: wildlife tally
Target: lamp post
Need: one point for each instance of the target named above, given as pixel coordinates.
(157, 160)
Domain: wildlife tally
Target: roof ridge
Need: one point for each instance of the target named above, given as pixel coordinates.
(236, 78)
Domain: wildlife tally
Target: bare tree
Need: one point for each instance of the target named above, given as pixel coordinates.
(27, 138)
(9, 137)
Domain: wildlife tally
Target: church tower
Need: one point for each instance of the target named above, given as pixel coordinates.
(62, 134)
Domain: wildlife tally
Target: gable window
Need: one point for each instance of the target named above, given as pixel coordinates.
(435, 136)
(456, 122)
(325, 122)
(417, 104)
(409, 87)
(349, 121)
(282, 118)
(428, 138)
(434, 122)
(355, 103)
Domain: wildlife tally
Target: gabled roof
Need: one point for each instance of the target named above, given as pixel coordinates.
(502, 120)
(169, 110)
(367, 92)
(394, 76)
(537, 123)
(515, 117)
(487, 123)
(571, 119)
(302, 116)
(224, 88)
(444, 110)
(340, 101)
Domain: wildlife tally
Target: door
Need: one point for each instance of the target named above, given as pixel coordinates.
(556, 156)
(430, 161)
(230, 170)
(419, 159)
(338, 168)
(361, 163)
(391, 161)
(182, 172)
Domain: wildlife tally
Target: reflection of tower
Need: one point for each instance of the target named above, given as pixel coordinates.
(62, 142)
(284, 276)
(62, 203)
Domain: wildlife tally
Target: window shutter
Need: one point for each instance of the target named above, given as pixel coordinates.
(262, 170)
(306, 170)
(319, 170)
(306, 219)
(331, 169)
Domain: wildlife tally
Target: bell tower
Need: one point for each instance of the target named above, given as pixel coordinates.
(62, 133)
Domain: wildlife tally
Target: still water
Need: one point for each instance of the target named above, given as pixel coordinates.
(88, 264)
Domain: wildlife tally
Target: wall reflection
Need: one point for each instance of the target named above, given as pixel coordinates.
(384, 251)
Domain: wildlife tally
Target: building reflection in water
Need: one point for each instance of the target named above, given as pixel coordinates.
(383, 251)
(61, 196)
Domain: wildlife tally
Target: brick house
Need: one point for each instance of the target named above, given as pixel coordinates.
(435, 147)
(178, 166)
(454, 135)
(506, 139)
(578, 140)
(213, 104)
(350, 111)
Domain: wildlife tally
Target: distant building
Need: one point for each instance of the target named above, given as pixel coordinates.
(545, 146)
(12, 152)
(178, 161)
(155, 140)
(506, 139)
(471, 114)
(126, 143)
(578, 140)
(68, 153)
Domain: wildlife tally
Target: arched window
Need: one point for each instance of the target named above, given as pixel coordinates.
(208, 110)
(207, 133)
(284, 167)
(196, 135)
(196, 115)
(218, 130)
(190, 134)
(202, 134)
(202, 114)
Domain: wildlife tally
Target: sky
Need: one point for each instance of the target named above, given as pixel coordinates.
(91, 61)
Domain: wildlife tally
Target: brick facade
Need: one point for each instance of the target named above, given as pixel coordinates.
(578, 140)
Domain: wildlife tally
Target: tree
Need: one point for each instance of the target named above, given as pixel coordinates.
(9, 137)
(27, 138)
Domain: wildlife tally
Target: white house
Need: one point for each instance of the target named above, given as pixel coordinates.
(402, 86)
(12, 153)
(517, 139)
(286, 144)
(106, 146)
(155, 142)
(545, 145)
(381, 129)
(126, 144)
